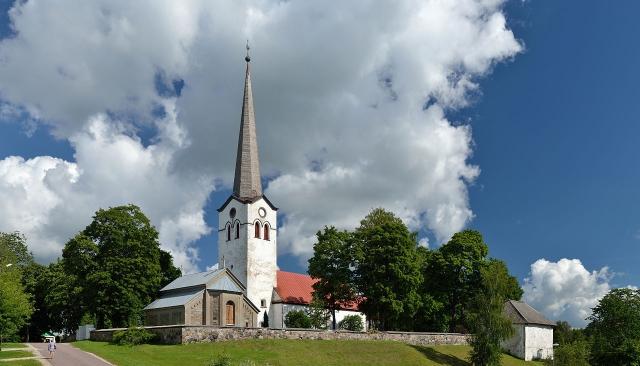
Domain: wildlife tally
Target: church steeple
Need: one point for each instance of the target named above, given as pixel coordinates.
(246, 183)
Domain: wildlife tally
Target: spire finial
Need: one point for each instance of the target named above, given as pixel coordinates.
(248, 48)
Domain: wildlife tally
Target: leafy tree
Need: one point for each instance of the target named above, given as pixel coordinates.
(431, 315)
(318, 314)
(352, 322)
(35, 279)
(127, 271)
(575, 353)
(615, 327)
(387, 269)
(297, 319)
(452, 274)
(64, 299)
(14, 246)
(486, 318)
(563, 333)
(510, 289)
(331, 267)
(168, 271)
(15, 306)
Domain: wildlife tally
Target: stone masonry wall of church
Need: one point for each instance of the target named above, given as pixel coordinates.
(195, 334)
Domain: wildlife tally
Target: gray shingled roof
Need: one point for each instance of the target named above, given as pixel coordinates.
(225, 283)
(521, 313)
(195, 279)
(175, 299)
(246, 183)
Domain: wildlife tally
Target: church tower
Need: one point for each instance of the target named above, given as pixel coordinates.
(247, 236)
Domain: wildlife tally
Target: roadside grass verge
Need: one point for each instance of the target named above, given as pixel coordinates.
(14, 354)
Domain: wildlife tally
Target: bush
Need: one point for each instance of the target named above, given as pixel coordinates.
(297, 319)
(570, 354)
(133, 336)
(221, 360)
(351, 322)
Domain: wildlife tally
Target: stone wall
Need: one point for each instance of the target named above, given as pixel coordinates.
(193, 334)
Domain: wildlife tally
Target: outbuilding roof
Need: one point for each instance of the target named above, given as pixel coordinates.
(226, 284)
(173, 299)
(194, 279)
(297, 288)
(522, 313)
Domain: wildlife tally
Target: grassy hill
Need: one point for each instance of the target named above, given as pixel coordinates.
(287, 352)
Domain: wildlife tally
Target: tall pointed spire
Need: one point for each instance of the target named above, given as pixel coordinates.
(246, 184)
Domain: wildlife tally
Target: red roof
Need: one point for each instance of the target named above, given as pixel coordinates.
(297, 288)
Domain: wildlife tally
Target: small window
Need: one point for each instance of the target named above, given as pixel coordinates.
(237, 230)
(257, 230)
(266, 231)
(263, 303)
(228, 232)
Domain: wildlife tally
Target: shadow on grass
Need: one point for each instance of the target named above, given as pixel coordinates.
(441, 358)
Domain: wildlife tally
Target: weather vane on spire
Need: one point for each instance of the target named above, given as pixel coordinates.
(248, 48)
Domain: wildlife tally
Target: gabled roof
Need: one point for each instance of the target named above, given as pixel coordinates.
(173, 299)
(194, 279)
(297, 288)
(226, 284)
(215, 279)
(251, 200)
(521, 313)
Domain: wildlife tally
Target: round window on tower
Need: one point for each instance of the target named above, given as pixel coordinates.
(232, 212)
(262, 212)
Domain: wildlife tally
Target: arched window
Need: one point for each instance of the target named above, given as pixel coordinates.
(257, 230)
(230, 313)
(266, 231)
(237, 230)
(228, 232)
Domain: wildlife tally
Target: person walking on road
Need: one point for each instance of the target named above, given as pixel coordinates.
(52, 348)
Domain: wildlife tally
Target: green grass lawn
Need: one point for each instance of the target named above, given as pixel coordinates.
(13, 345)
(287, 352)
(14, 354)
(22, 363)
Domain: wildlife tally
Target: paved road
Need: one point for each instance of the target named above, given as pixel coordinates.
(66, 355)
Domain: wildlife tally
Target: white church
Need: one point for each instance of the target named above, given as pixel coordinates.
(246, 289)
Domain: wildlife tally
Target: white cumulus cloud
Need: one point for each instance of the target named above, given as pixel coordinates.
(351, 105)
(565, 290)
(50, 199)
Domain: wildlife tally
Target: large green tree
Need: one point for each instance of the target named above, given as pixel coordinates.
(452, 274)
(431, 315)
(615, 328)
(486, 318)
(331, 266)
(125, 263)
(15, 304)
(168, 271)
(13, 246)
(387, 270)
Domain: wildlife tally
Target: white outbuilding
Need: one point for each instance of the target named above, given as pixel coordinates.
(533, 333)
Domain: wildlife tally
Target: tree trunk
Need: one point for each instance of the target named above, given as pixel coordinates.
(333, 315)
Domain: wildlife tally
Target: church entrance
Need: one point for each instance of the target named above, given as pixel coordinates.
(231, 313)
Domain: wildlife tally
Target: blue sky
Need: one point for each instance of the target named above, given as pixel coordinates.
(553, 132)
(556, 137)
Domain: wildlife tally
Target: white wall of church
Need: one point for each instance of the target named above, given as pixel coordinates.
(251, 259)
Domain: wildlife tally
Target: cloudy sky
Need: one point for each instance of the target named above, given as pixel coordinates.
(515, 118)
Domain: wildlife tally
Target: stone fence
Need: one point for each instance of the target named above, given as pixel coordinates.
(177, 334)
